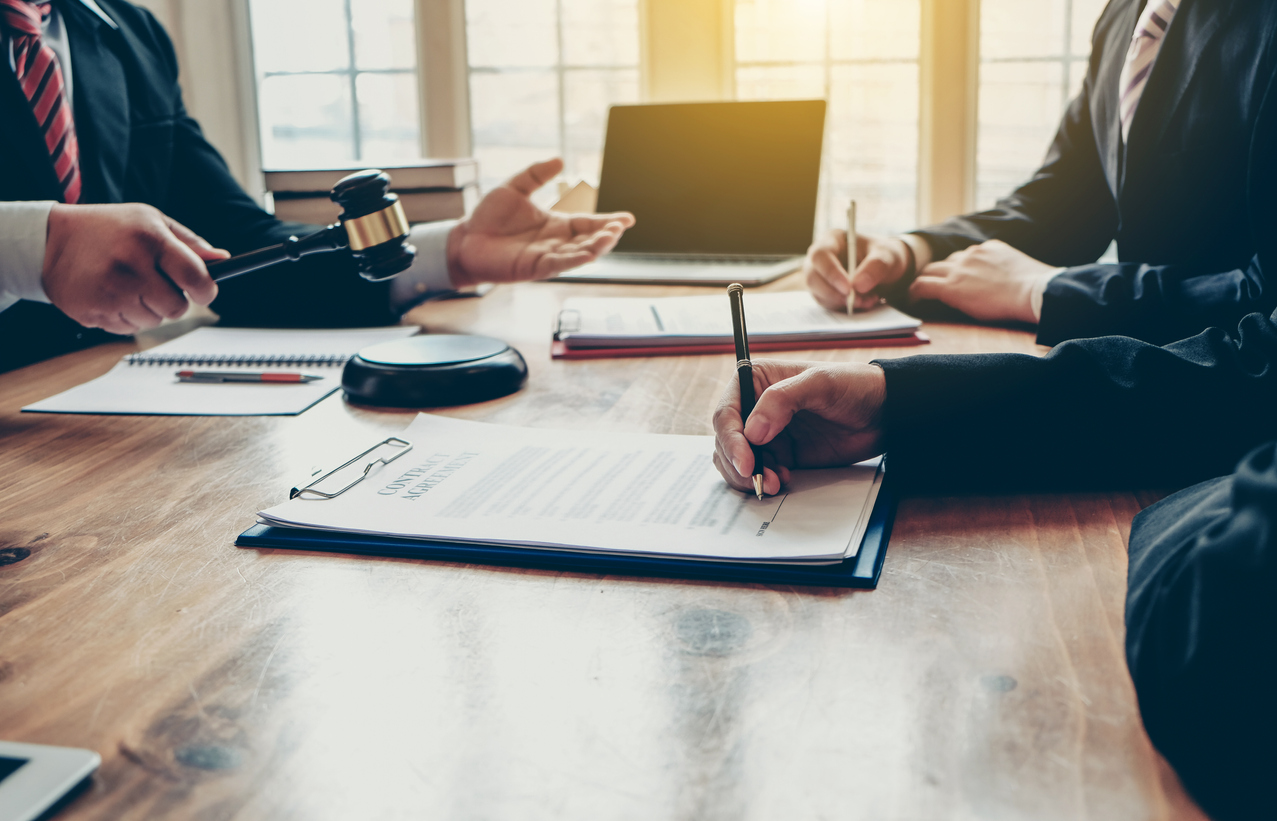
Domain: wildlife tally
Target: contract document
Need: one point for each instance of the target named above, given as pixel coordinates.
(593, 491)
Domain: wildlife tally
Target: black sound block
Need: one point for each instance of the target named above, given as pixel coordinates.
(432, 371)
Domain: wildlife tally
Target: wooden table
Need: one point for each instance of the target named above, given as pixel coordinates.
(984, 678)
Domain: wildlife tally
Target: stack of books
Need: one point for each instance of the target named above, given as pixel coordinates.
(429, 190)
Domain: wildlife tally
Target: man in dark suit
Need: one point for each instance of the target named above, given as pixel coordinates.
(1103, 412)
(109, 191)
(1159, 152)
(1100, 413)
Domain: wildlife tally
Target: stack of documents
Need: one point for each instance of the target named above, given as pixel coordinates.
(637, 495)
(791, 320)
(147, 382)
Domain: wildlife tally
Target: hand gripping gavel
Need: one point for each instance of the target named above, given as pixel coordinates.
(372, 226)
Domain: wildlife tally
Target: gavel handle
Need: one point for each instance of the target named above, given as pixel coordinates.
(332, 238)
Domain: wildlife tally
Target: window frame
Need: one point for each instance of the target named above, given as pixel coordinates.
(686, 53)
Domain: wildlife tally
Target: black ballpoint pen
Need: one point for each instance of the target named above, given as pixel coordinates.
(744, 373)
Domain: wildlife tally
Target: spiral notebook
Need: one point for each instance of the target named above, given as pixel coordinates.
(147, 383)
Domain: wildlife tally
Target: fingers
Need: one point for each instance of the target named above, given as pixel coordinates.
(772, 482)
(827, 279)
(864, 302)
(569, 255)
(116, 324)
(589, 223)
(824, 293)
(557, 262)
(729, 429)
(929, 287)
(875, 270)
(810, 389)
(884, 262)
(731, 475)
(179, 262)
(534, 176)
(933, 282)
(774, 409)
(730, 446)
(140, 316)
(601, 241)
(195, 242)
(161, 298)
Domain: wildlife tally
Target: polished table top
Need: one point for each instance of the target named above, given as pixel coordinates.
(984, 678)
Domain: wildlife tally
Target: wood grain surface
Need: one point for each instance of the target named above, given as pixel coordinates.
(983, 679)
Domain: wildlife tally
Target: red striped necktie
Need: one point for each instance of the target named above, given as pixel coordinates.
(41, 79)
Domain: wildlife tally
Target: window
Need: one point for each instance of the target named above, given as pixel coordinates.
(1033, 59)
(538, 77)
(861, 56)
(336, 81)
(542, 75)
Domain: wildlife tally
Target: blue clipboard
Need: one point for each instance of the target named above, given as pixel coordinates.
(862, 570)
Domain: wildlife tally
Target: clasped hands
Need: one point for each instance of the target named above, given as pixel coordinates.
(992, 281)
(126, 268)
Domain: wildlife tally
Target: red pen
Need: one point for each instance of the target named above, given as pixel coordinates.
(210, 377)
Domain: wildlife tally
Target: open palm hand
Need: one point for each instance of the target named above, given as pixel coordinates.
(510, 239)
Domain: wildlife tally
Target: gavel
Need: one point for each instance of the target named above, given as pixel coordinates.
(372, 225)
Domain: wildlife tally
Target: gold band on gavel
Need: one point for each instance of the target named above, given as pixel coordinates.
(376, 228)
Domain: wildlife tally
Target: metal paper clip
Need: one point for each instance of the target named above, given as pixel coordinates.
(403, 444)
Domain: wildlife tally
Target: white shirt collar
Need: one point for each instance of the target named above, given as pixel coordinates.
(96, 9)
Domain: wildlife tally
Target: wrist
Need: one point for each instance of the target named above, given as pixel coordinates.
(456, 274)
(57, 226)
(877, 393)
(24, 230)
(1037, 293)
(920, 250)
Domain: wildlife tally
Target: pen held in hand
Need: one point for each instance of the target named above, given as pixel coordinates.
(215, 377)
(745, 373)
(851, 259)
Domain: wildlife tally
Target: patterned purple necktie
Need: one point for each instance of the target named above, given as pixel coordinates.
(1150, 31)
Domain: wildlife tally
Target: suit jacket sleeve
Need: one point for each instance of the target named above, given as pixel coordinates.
(1111, 411)
(1155, 303)
(1163, 303)
(320, 291)
(1064, 215)
(1200, 616)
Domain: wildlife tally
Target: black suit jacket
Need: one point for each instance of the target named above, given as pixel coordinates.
(138, 144)
(1118, 412)
(1107, 411)
(1200, 619)
(1184, 198)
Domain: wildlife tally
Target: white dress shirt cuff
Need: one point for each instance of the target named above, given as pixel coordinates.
(24, 230)
(1039, 292)
(921, 251)
(428, 275)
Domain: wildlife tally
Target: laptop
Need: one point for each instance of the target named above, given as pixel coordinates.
(723, 192)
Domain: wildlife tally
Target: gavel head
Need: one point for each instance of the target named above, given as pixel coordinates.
(376, 228)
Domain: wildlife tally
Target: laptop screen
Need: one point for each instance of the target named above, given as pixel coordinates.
(714, 178)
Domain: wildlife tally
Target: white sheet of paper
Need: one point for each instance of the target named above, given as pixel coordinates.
(785, 316)
(647, 494)
(132, 388)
